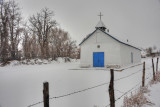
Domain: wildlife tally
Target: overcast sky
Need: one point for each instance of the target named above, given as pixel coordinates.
(135, 20)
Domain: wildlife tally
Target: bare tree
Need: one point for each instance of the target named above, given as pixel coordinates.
(41, 25)
(10, 30)
(14, 27)
(26, 44)
(72, 52)
(58, 39)
(62, 44)
(40, 39)
(4, 12)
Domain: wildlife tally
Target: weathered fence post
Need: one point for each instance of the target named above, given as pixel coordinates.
(46, 94)
(143, 77)
(153, 70)
(157, 66)
(111, 89)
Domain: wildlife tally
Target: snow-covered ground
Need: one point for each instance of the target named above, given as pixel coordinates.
(22, 85)
(154, 95)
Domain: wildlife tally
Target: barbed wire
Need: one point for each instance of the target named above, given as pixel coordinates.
(80, 91)
(35, 104)
(129, 91)
(148, 77)
(127, 76)
(128, 67)
(130, 74)
(93, 87)
(125, 93)
(75, 92)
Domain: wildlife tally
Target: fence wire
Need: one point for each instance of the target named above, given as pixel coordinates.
(128, 67)
(127, 76)
(72, 93)
(79, 91)
(125, 93)
(76, 92)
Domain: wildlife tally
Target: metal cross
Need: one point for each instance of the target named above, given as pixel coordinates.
(100, 15)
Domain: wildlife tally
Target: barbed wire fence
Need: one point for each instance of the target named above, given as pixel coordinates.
(103, 84)
(79, 91)
(72, 93)
(131, 90)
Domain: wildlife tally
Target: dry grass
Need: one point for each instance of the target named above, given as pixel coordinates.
(158, 76)
(157, 79)
(138, 99)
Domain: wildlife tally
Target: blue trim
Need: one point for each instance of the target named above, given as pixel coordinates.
(98, 59)
(87, 37)
(108, 35)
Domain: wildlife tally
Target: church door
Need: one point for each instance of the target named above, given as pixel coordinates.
(98, 59)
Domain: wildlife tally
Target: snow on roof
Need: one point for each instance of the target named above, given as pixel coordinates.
(100, 24)
(125, 43)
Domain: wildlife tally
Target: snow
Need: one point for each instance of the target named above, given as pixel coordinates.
(22, 85)
(154, 95)
(143, 53)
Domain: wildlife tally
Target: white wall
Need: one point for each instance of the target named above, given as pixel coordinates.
(126, 54)
(109, 46)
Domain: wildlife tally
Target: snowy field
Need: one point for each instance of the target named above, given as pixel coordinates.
(154, 95)
(22, 85)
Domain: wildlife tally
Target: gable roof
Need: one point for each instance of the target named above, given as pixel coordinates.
(109, 36)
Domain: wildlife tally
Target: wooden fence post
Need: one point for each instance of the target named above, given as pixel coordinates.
(143, 77)
(153, 70)
(157, 66)
(111, 89)
(46, 94)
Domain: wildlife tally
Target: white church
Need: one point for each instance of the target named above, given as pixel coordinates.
(100, 49)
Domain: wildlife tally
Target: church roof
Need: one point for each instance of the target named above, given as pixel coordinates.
(100, 24)
(108, 35)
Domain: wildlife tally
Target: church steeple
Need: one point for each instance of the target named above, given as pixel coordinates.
(100, 24)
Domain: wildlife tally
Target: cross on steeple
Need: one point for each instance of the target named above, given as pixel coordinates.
(100, 15)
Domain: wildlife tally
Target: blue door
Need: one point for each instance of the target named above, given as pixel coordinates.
(98, 59)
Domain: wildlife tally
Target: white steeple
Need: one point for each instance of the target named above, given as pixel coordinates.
(101, 25)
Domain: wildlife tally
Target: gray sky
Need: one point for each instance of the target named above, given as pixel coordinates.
(135, 20)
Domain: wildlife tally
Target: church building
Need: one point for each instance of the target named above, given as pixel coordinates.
(100, 49)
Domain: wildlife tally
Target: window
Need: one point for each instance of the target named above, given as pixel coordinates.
(98, 46)
(131, 57)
